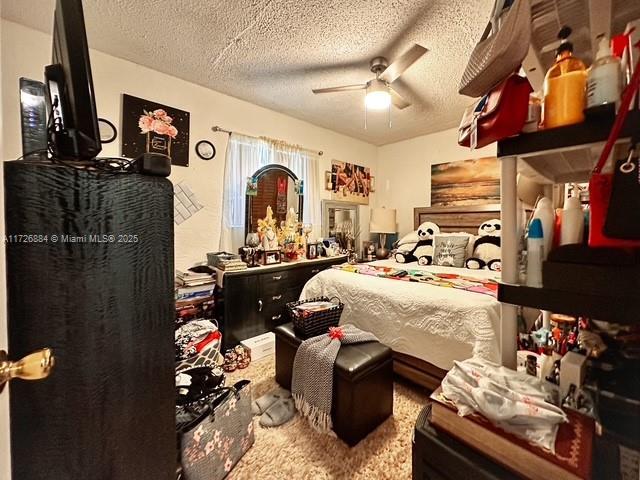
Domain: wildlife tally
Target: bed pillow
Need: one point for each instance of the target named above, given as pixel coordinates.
(450, 250)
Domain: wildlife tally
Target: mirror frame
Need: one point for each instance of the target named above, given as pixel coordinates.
(327, 204)
(249, 198)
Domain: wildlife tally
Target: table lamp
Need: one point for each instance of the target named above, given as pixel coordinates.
(383, 221)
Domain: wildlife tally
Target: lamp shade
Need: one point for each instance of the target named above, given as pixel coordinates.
(383, 220)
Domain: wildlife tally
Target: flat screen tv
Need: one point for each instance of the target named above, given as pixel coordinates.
(74, 131)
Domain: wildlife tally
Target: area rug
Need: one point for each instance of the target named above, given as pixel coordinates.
(296, 451)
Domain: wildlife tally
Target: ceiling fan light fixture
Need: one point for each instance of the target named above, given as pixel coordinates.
(378, 96)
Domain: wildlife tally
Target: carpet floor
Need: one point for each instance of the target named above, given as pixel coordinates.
(296, 451)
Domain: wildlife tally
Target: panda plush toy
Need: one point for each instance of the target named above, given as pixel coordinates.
(420, 248)
(486, 247)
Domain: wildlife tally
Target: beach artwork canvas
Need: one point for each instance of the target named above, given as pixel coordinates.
(466, 182)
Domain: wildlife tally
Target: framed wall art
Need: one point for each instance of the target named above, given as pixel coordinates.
(350, 182)
(466, 182)
(152, 127)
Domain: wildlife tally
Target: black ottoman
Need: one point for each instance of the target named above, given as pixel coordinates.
(362, 383)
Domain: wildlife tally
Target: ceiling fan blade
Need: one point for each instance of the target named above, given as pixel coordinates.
(345, 88)
(397, 100)
(404, 61)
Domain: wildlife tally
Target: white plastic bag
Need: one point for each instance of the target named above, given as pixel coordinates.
(512, 400)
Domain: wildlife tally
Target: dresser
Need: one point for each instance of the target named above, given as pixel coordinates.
(253, 301)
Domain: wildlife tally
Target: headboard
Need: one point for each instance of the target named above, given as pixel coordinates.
(464, 218)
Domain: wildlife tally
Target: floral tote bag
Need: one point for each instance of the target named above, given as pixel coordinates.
(219, 435)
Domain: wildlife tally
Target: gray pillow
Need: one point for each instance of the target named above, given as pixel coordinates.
(450, 250)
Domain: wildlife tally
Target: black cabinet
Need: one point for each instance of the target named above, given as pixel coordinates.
(253, 301)
(106, 310)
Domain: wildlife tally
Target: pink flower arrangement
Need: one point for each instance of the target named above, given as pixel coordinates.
(158, 122)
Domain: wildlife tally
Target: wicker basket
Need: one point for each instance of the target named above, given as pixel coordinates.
(315, 323)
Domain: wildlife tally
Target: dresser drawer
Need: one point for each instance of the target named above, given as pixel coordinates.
(275, 307)
(274, 283)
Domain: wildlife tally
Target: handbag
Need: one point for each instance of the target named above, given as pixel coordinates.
(499, 114)
(219, 433)
(613, 219)
(500, 51)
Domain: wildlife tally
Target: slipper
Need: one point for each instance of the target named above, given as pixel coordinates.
(259, 406)
(279, 413)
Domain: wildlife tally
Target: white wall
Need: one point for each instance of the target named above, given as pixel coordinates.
(404, 171)
(5, 452)
(25, 52)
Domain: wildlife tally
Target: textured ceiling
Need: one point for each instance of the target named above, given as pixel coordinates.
(273, 52)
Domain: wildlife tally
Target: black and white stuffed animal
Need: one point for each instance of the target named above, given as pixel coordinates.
(420, 250)
(486, 248)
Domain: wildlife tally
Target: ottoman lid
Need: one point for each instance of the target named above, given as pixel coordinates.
(354, 360)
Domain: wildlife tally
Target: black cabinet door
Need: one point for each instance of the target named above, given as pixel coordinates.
(242, 308)
(106, 309)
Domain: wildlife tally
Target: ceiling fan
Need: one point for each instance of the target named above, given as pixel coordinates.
(379, 92)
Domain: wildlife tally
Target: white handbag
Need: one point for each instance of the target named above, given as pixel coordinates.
(500, 51)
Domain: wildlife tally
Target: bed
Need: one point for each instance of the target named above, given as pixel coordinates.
(427, 326)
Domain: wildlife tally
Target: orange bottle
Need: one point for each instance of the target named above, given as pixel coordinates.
(564, 87)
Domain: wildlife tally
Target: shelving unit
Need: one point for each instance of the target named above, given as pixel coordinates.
(620, 309)
(560, 155)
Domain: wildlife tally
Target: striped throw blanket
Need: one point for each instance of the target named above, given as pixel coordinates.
(312, 380)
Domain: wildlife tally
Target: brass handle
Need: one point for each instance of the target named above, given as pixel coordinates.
(315, 270)
(276, 297)
(35, 366)
(259, 305)
(276, 317)
(278, 277)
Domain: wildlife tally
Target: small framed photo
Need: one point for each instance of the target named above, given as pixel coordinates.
(299, 187)
(312, 251)
(271, 257)
(328, 181)
(252, 186)
(368, 250)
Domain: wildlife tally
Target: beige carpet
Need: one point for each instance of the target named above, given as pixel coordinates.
(296, 451)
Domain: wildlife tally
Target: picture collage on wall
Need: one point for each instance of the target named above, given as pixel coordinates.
(150, 127)
(350, 182)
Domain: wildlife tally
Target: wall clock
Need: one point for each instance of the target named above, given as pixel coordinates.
(205, 150)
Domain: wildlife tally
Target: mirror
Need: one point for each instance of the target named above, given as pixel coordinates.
(273, 185)
(339, 215)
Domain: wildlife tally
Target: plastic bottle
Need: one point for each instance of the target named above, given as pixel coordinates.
(535, 254)
(564, 87)
(604, 83)
(572, 228)
(544, 211)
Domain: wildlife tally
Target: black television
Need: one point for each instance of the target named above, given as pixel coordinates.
(74, 130)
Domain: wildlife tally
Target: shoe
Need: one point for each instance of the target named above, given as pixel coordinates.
(279, 413)
(259, 406)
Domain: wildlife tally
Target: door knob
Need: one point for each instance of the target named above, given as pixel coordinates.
(35, 366)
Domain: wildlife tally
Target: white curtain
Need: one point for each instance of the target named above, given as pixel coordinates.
(245, 155)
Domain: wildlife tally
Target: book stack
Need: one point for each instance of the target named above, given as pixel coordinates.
(227, 262)
(193, 285)
(231, 265)
(194, 296)
(573, 448)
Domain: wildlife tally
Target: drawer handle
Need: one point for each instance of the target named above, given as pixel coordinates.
(277, 277)
(315, 270)
(276, 297)
(259, 305)
(276, 317)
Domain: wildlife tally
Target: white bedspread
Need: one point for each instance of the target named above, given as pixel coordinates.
(436, 324)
